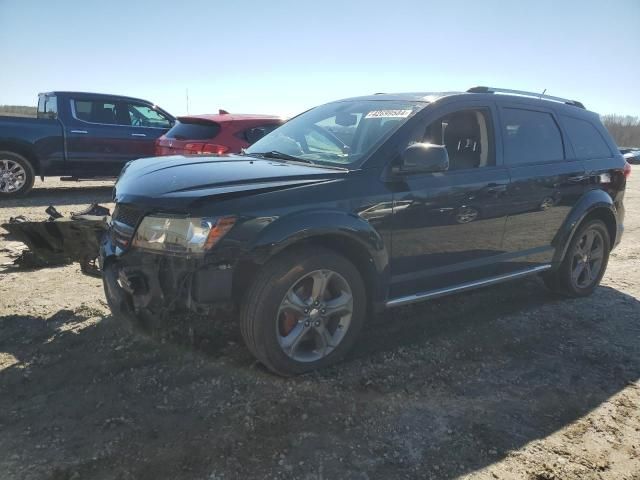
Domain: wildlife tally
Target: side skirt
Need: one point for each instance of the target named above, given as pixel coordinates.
(418, 297)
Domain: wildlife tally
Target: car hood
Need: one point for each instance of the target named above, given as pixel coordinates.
(186, 179)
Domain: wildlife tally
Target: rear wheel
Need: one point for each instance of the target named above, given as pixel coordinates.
(16, 175)
(303, 311)
(585, 261)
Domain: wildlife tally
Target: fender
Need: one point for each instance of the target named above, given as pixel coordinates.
(589, 202)
(336, 224)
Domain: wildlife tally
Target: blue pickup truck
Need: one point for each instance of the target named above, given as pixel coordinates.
(77, 135)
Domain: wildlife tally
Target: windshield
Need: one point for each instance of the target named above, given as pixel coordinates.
(341, 133)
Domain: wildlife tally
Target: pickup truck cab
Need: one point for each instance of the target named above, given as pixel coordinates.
(75, 134)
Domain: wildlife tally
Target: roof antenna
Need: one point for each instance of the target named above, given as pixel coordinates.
(543, 92)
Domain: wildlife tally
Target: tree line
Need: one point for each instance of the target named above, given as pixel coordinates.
(18, 110)
(624, 129)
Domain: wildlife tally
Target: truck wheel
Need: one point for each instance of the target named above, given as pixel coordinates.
(303, 311)
(584, 263)
(16, 175)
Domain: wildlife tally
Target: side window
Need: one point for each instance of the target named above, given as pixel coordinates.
(585, 138)
(95, 111)
(468, 137)
(51, 106)
(47, 106)
(530, 137)
(145, 116)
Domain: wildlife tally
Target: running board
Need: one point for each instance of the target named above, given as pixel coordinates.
(418, 297)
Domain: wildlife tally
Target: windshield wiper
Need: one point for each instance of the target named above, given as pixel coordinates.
(281, 156)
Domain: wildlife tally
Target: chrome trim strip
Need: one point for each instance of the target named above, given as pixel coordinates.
(418, 297)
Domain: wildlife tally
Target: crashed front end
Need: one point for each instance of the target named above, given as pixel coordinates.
(153, 267)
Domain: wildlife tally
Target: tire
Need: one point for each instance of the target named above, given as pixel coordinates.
(18, 169)
(268, 320)
(564, 280)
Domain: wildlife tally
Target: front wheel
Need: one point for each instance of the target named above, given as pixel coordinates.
(585, 261)
(303, 311)
(16, 175)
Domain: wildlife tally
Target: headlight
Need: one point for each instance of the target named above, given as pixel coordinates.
(181, 234)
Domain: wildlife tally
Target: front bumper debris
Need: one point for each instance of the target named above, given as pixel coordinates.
(149, 285)
(61, 240)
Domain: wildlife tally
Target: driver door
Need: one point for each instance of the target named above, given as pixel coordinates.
(448, 226)
(145, 126)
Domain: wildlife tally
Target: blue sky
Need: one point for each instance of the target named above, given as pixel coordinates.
(285, 56)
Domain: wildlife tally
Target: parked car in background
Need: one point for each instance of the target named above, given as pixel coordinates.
(631, 155)
(79, 135)
(215, 134)
(367, 203)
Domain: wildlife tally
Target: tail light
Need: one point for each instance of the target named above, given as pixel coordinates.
(627, 170)
(205, 148)
(213, 148)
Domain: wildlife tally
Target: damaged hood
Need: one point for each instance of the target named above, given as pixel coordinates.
(195, 178)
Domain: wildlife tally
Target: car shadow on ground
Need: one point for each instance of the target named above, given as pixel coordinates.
(57, 196)
(434, 390)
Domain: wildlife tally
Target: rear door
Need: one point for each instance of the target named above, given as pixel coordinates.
(546, 182)
(97, 140)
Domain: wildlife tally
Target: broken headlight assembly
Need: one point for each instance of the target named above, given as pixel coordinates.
(188, 235)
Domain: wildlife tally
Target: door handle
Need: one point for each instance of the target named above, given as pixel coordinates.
(138, 135)
(79, 131)
(496, 188)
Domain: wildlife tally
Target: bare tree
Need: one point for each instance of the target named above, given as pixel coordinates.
(624, 129)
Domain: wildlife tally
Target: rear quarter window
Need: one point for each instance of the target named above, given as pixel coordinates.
(586, 139)
(184, 130)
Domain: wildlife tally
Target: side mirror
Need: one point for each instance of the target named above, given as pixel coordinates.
(424, 158)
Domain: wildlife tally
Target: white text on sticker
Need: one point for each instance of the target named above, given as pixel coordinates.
(388, 114)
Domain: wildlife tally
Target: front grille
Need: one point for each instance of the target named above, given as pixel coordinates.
(125, 220)
(127, 215)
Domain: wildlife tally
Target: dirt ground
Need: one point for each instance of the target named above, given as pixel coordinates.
(504, 382)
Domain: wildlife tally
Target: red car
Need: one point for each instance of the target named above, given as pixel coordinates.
(218, 134)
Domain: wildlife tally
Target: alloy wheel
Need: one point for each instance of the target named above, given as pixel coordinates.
(314, 316)
(587, 259)
(12, 176)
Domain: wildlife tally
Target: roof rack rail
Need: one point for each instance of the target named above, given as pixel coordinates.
(575, 103)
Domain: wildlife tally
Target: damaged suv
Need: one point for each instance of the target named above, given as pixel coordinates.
(363, 204)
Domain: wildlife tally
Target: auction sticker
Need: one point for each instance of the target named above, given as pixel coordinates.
(388, 114)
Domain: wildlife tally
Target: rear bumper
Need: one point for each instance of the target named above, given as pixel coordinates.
(152, 284)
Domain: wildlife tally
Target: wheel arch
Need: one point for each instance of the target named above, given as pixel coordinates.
(23, 149)
(347, 235)
(596, 204)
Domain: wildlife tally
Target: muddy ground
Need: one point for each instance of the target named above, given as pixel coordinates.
(504, 382)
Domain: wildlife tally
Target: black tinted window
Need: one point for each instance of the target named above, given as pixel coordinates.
(193, 131)
(585, 138)
(530, 137)
(253, 134)
(95, 111)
